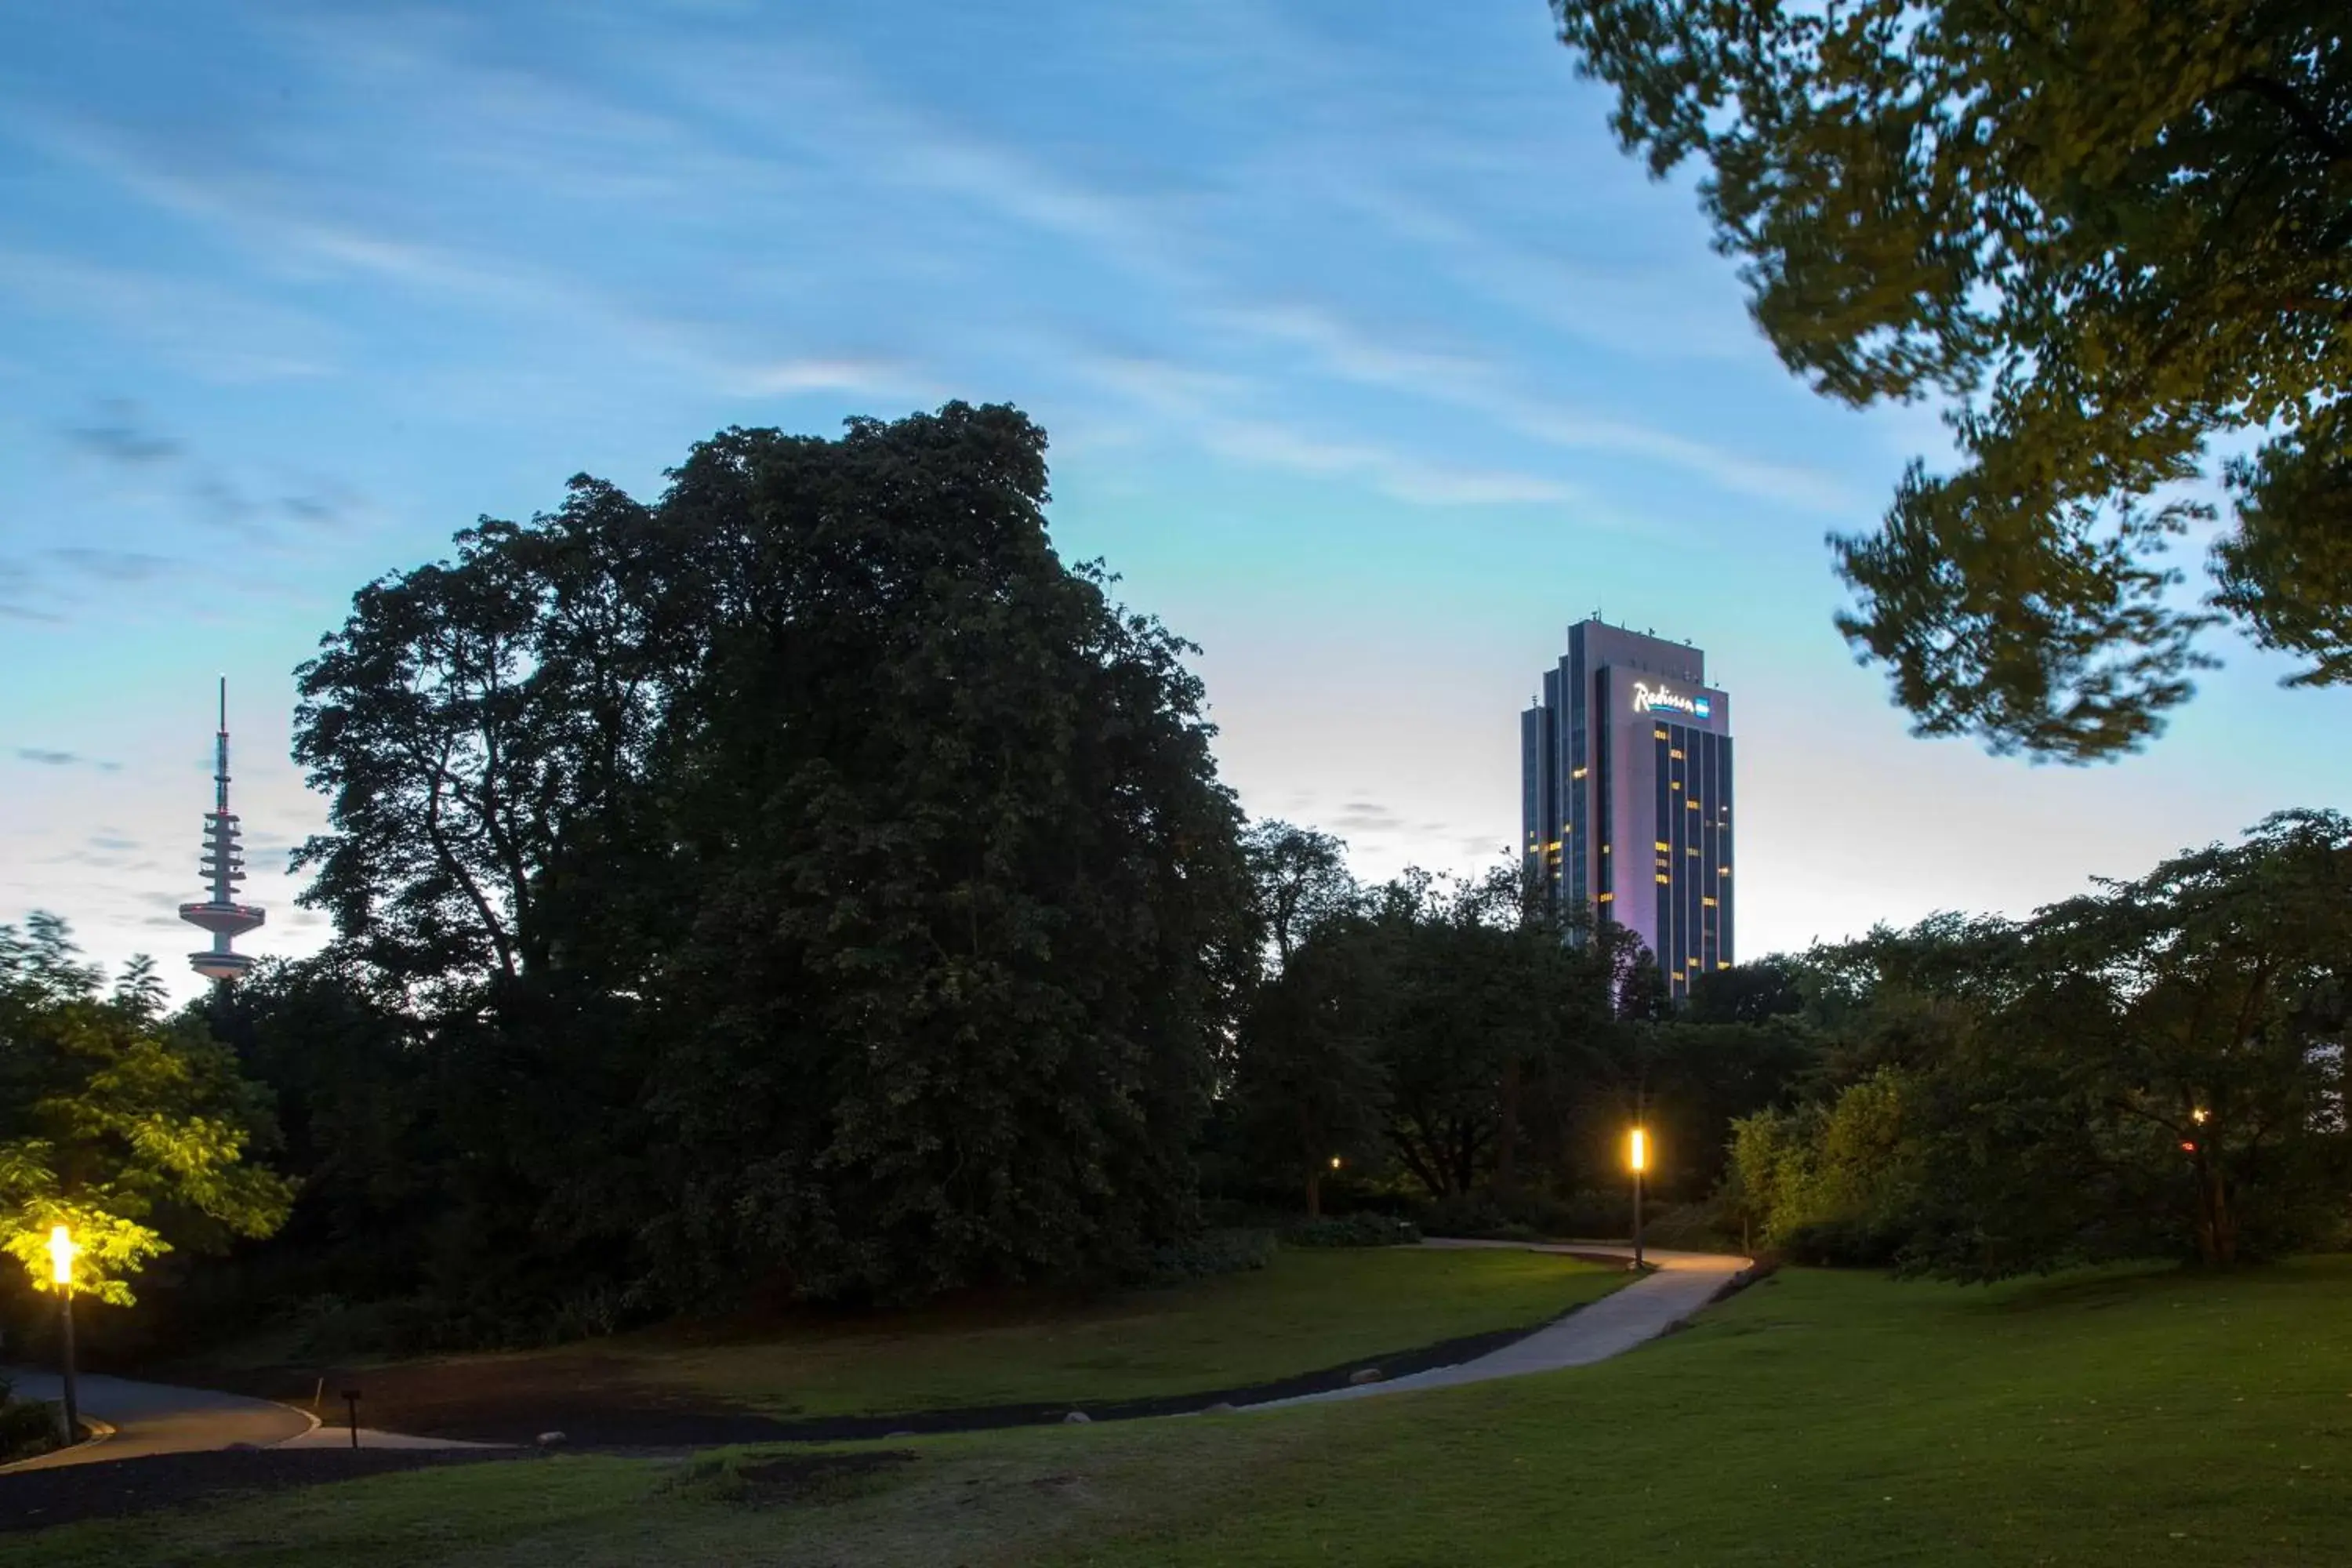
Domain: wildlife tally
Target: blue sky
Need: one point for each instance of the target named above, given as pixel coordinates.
(1367, 360)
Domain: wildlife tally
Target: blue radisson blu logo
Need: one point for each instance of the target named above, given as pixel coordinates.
(1648, 698)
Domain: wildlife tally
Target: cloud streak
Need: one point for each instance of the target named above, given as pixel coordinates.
(54, 759)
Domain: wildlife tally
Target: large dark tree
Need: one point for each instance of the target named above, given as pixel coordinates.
(1306, 1093)
(2111, 234)
(807, 876)
(964, 873)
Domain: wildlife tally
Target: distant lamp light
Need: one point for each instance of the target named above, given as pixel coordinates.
(62, 1252)
(2199, 1115)
(2186, 1147)
(1334, 1162)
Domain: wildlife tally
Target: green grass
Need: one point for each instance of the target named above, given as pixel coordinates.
(1823, 1418)
(1307, 1309)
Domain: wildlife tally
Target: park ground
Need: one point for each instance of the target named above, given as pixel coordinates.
(2142, 1417)
(1308, 1310)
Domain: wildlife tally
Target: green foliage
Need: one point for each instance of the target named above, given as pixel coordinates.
(1210, 1254)
(131, 1130)
(1453, 1037)
(807, 882)
(28, 1427)
(1360, 1229)
(1827, 1185)
(2153, 1069)
(1306, 1084)
(2111, 233)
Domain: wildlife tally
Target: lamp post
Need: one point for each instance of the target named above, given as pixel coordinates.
(1637, 1155)
(61, 1257)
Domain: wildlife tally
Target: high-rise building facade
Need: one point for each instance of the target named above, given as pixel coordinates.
(1625, 794)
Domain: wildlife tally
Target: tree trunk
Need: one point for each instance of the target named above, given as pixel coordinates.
(1314, 1195)
(1506, 1131)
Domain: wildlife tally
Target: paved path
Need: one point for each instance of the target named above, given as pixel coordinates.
(1685, 1282)
(155, 1418)
(150, 1418)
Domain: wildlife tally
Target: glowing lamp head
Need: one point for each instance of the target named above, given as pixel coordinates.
(61, 1255)
(2199, 1115)
(1334, 1162)
(1637, 1151)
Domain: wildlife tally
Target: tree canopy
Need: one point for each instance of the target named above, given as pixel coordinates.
(804, 877)
(131, 1130)
(2155, 1068)
(2117, 236)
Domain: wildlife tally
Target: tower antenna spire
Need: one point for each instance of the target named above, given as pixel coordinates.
(223, 867)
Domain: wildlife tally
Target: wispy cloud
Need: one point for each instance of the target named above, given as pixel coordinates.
(1367, 817)
(1470, 382)
(121, 436)
(1402, 477)
(53, 758)
(220, 334)
(1211, 406)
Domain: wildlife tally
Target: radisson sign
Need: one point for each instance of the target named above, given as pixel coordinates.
(1648, 698)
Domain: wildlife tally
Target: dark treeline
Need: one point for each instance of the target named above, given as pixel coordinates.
(1458, 1046)
(806, 884)
(2153, 1069)
(808, 887)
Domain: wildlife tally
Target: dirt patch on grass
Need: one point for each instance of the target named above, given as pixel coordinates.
(35, 1500)
(781, 1481)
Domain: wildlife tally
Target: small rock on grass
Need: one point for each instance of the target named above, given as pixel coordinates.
(1365, 1374)
(1076, 1418)
(550, 1439)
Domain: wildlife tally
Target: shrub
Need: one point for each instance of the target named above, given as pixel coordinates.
(1352, 1230)
(1848, 1242)
(1476, 1217)
(28, 1427)
(1210, 1254)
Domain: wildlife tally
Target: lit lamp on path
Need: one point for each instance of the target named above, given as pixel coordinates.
(1637, 1155)
(61, 1257)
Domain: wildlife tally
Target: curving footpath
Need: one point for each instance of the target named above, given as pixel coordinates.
(150, 1418)
(1683, 1282)
(155, 1418)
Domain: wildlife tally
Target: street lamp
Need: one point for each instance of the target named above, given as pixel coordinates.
(61, 1258)
(1637, 1155)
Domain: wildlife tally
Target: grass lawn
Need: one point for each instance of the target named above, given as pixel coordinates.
(1822, 1418)
(1309, 1309)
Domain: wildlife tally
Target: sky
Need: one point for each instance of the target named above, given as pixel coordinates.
(1368, 363)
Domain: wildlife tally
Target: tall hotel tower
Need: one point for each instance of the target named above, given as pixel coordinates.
(1625, 794)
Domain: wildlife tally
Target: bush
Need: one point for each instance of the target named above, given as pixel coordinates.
(1843, 1243)
(1352, 1230)
(28, 1427)
(1210, 1254)
(1475, 1216)
(1690, 1227)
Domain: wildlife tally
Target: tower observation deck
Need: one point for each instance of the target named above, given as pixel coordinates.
(223, 867)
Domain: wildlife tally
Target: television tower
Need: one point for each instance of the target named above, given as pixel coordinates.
(224, 866)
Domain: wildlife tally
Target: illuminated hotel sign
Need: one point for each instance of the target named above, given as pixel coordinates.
(1648, 698)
